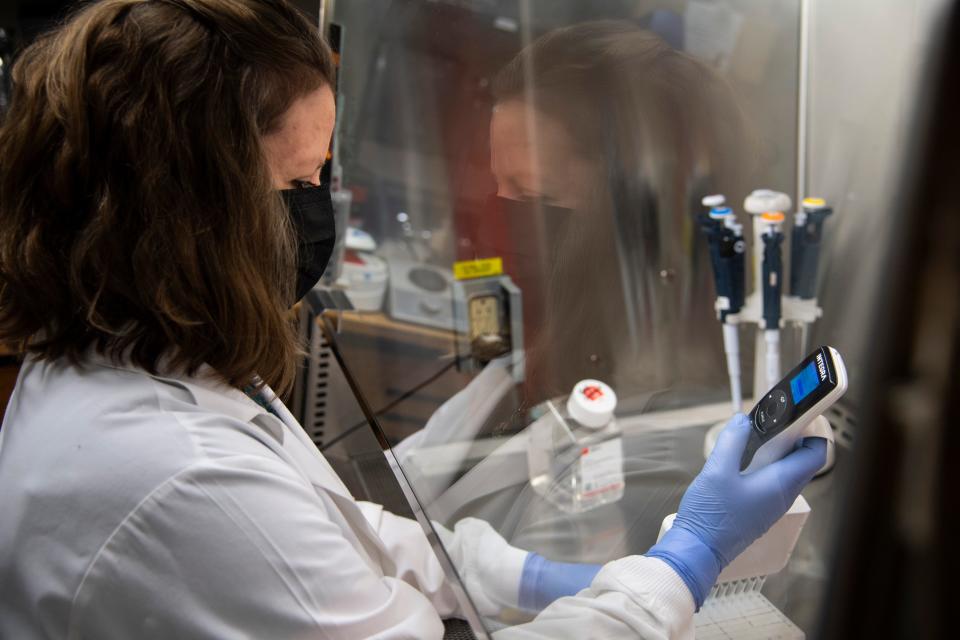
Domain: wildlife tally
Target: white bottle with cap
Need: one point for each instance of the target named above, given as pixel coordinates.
(575, 455)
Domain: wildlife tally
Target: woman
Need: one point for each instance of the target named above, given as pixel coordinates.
(160, 210)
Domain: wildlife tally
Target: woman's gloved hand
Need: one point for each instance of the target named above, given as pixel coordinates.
(723, 512)
(489, 567)
(544, 581)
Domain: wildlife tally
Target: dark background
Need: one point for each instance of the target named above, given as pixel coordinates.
(24, 19)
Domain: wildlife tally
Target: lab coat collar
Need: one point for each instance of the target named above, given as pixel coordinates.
(207, 389)
(211, 394)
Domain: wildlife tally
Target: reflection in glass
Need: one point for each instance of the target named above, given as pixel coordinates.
(608, 122)
(573, 142)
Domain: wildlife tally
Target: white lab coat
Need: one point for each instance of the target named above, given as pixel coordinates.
(139, 506)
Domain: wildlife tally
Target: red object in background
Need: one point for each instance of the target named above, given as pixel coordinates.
(352, 257)
(358, 194)
(593, 393)
(491, 232)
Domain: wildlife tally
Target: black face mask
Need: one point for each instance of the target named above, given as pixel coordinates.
(311, 212)
(533, 216)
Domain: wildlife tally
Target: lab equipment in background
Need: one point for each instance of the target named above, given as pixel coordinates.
(760, 307)
(488, 315)
(788, 412)
(766, 306)
(405, 241)
(420, 290)
(805, 246)
(727, 248)
(758, 203)
(364, 276)
(421, 294)
(342, 201)
(575, 454)
(807, 235)
(772, 289)
(715, 200)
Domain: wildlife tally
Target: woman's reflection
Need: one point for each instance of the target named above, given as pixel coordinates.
(610, 136)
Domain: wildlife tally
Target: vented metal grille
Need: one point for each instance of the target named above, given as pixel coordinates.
(317, 386)
(842, 417)
(456, 629)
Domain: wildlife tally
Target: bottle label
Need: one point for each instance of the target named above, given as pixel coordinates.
(601, 467)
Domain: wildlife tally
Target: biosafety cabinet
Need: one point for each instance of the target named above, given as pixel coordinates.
(663, 204)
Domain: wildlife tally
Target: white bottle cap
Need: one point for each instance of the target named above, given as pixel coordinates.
(716, 200)
(591, 403)
(763, 200)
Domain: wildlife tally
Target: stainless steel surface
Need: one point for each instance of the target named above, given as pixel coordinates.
(865, 60)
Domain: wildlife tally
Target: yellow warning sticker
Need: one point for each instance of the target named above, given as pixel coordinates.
(470, 269)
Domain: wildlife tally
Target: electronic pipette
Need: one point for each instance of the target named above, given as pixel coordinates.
(781, 418)
(805, 247)
(756, 204)
(727, 247)
(772, 289)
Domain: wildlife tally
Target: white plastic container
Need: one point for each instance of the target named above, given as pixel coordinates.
(735, 608)
(364, 279)
(575, 456)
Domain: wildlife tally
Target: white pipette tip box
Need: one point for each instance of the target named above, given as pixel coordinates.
(745, 615)
(735, 608)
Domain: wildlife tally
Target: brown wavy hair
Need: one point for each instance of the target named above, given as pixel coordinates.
(137, 214)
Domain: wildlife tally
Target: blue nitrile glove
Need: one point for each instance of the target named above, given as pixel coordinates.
(544, 581)
(723, 512)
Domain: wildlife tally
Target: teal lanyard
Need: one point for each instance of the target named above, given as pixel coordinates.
(256, 396)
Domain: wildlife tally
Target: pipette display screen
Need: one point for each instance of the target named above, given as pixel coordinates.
(804, 382)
